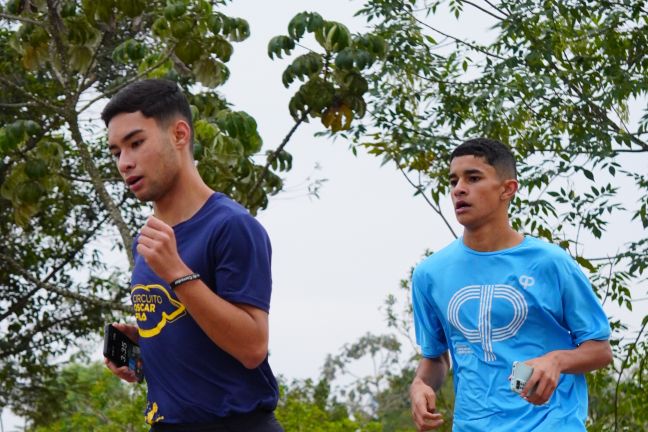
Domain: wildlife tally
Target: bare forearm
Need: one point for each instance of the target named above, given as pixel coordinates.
(432, 371)
(235, 329)
(589, 356)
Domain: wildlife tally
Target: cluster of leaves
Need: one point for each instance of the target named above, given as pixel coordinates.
(333, 83)
(226, 143)
(89, 398)
(308, 406)
(60, 194)
(618, 402)
(85, 398)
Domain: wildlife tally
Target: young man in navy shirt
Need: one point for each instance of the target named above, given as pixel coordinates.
(494, 297)
(201, 282)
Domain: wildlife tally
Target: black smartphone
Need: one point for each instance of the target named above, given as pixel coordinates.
(122, 351)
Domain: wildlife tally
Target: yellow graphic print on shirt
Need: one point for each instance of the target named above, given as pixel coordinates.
(151, 414)
(154, 308)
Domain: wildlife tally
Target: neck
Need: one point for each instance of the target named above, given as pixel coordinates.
(188, 194)
(490, 238)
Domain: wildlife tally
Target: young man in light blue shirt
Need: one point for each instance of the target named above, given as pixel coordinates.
(496, 296)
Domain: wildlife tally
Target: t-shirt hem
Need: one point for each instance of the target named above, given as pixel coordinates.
(429, 353)
(248, 300)
(595, 337)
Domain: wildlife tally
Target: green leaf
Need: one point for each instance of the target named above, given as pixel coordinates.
(210, 73)
(297, 25)
(333, 36)
(279, 44)
(585, 263)
(80, 57)
(344, 59)
(188, 51)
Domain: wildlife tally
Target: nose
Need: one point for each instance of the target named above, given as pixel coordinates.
(459, 188)
(125, 163)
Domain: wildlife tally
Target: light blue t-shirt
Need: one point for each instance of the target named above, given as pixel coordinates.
(493, 308)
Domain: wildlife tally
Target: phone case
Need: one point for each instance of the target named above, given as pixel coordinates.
(122, 351)
(520, 375)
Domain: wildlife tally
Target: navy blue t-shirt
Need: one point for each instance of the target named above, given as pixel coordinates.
(189, 378)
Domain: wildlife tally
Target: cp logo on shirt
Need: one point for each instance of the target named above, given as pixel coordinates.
(475, 303)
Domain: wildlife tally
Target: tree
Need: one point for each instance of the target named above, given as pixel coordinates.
(86, 398)
(382, 395)
(309, 406)
(89, 398)
(61, 199)
(563, 84)
(59, 191)
(334, 85)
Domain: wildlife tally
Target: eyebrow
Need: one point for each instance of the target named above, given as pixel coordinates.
(470, 171)
(126, 137)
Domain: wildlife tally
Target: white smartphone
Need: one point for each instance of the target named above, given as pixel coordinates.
(519, 377)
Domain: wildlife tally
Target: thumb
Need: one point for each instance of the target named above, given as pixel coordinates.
(430, 399)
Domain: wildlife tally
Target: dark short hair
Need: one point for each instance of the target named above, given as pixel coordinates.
(492, 151)
(160, 99)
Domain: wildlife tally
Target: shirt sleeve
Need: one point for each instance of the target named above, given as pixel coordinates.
(583, 313)
(427, 326)
(243, 270)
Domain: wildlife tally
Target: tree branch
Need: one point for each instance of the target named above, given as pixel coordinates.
(21, 19)
(115, 89)
(600, 113)
(57, 29)
(100, 188)
(483, 10)
(23, 300)
(272, 156)
(18, 105)
(421, 192)
(27, 339)
(96, 301)
(18, 88)
(83, 82)
(475, 47)
(497, 9)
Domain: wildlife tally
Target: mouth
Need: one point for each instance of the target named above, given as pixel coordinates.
(461, 207)
(134, 182)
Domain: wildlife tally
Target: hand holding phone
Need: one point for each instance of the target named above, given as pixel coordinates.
(122, 353)
(519, 377)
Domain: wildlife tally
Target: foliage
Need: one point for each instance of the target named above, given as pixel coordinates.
(382, 394)
(86, 398)
(60, 192)
(65, 217)
(89, 398)
(562, 83)
(618, 402)
(383, 353)
(307, 406)
(334, 85)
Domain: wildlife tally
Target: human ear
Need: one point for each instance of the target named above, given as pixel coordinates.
(181, 133)
(509, 188)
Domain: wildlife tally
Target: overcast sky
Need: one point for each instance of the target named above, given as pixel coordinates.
(336, 258)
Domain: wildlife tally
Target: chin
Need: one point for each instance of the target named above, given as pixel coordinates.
(468, 222)
(144, 197)
(462, 219)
